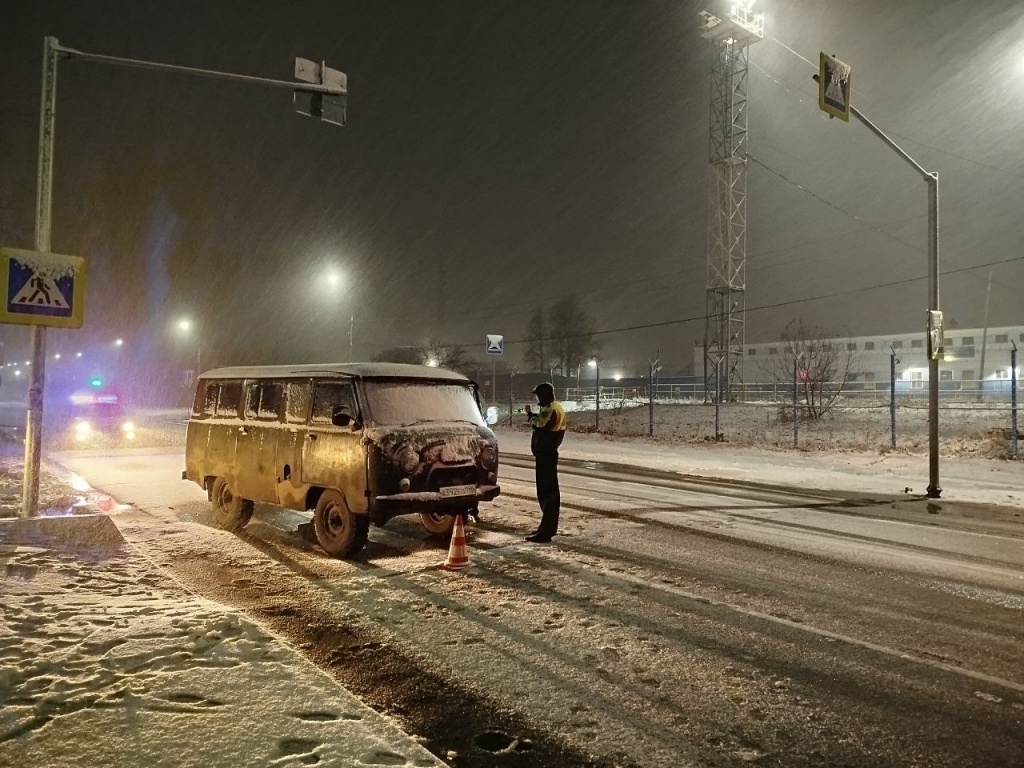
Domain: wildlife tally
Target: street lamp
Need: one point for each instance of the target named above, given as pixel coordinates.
(596, 365)
(185, 325)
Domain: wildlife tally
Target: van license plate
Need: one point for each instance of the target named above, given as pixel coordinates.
(458, 490)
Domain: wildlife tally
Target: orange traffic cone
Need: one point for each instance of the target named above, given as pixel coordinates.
(457, 556)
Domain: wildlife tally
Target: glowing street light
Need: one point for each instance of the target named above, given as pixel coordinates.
(118, 342)
(336, 281)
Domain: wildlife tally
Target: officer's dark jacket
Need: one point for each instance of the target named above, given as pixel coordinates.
(548, 428)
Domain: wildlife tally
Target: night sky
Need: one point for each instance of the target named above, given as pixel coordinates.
(499, 155)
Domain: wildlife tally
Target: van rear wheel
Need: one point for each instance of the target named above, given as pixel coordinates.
(339, 531)
(439, 523)
(231, 512)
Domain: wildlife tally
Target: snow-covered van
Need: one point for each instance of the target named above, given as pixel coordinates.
(359, 443)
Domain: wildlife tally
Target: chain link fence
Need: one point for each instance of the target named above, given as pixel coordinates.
(976, 416)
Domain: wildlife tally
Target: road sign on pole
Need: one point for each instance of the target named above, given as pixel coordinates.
(834, 87)
(328, 107)
(495, 344)
(41, 288)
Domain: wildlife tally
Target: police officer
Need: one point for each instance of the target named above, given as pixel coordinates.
(548, 430)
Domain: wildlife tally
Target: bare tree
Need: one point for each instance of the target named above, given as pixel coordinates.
(572, 336)
(410, 355)
(823, 362)
(445, 355)
(535, 357)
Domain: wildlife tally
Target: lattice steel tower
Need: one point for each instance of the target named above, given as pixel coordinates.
(727, 198)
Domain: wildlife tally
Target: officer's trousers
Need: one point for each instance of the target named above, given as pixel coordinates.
(546, 463)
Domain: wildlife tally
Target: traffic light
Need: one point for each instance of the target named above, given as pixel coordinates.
(327, 107)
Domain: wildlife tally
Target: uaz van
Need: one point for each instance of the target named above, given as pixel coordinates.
(356, 443)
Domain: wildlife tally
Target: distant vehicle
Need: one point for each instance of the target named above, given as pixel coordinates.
(98, 414)
(356, 443)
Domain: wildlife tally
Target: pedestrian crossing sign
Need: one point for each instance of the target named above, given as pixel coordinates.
(495, 344)
(834, 87)
(42, 288)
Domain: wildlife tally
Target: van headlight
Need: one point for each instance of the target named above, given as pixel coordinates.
(488, 456)
(408, 460)
(82, 430)
(128, 430)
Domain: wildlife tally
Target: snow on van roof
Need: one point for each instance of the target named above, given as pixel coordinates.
(359, 370)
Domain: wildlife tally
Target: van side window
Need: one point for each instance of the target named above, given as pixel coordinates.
(298, 402)
(263, 401)
(206, 399)
(230, 398)
(327, 396)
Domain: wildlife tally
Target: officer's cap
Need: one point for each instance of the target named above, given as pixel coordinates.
(545, 386)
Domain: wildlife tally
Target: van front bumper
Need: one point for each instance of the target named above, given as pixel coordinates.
(414, 501)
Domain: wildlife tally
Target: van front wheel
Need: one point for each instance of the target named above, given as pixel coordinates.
(439, 523)
(338, 530)
(231, 512)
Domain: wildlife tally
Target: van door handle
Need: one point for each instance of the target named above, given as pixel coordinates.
(311, 437)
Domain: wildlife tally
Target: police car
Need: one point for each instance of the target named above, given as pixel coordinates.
(98, 415)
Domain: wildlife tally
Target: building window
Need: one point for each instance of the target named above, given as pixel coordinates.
(751, 352)
(772, 351)
(1002, 338)
(869, 380)
(947, 342)
(851, 346)
(917, 379)
(1002, 373)
(916, 343)
(870, 345)
(945, 375)
(897, 345)
(967, 375)
(967, 341)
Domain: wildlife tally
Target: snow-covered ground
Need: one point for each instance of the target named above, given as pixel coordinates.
(105, 660)
(97, 640)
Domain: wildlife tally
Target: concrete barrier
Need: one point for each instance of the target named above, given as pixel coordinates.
(84, 534)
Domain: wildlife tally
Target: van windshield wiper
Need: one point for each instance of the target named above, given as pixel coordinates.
(428, 421)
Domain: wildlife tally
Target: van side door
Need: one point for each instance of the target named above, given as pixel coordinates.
(291, 491)
(334, 456)
(220, 446)
(256, 443)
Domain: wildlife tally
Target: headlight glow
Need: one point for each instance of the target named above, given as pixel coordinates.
(82, 430)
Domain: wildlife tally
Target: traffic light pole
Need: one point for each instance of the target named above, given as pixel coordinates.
(37, 337)
(333, 85)
(934, 334)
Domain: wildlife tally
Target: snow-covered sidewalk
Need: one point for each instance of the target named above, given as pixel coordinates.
(105, 661)
(985, 481)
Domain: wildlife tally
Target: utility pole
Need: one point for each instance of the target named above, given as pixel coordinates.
(324, 89)
(984, 341)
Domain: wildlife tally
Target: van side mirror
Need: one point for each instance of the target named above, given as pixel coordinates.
(341, 416)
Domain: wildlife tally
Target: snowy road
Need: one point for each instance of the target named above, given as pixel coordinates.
(673, 623)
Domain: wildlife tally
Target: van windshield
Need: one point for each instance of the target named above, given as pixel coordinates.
(401, 403)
